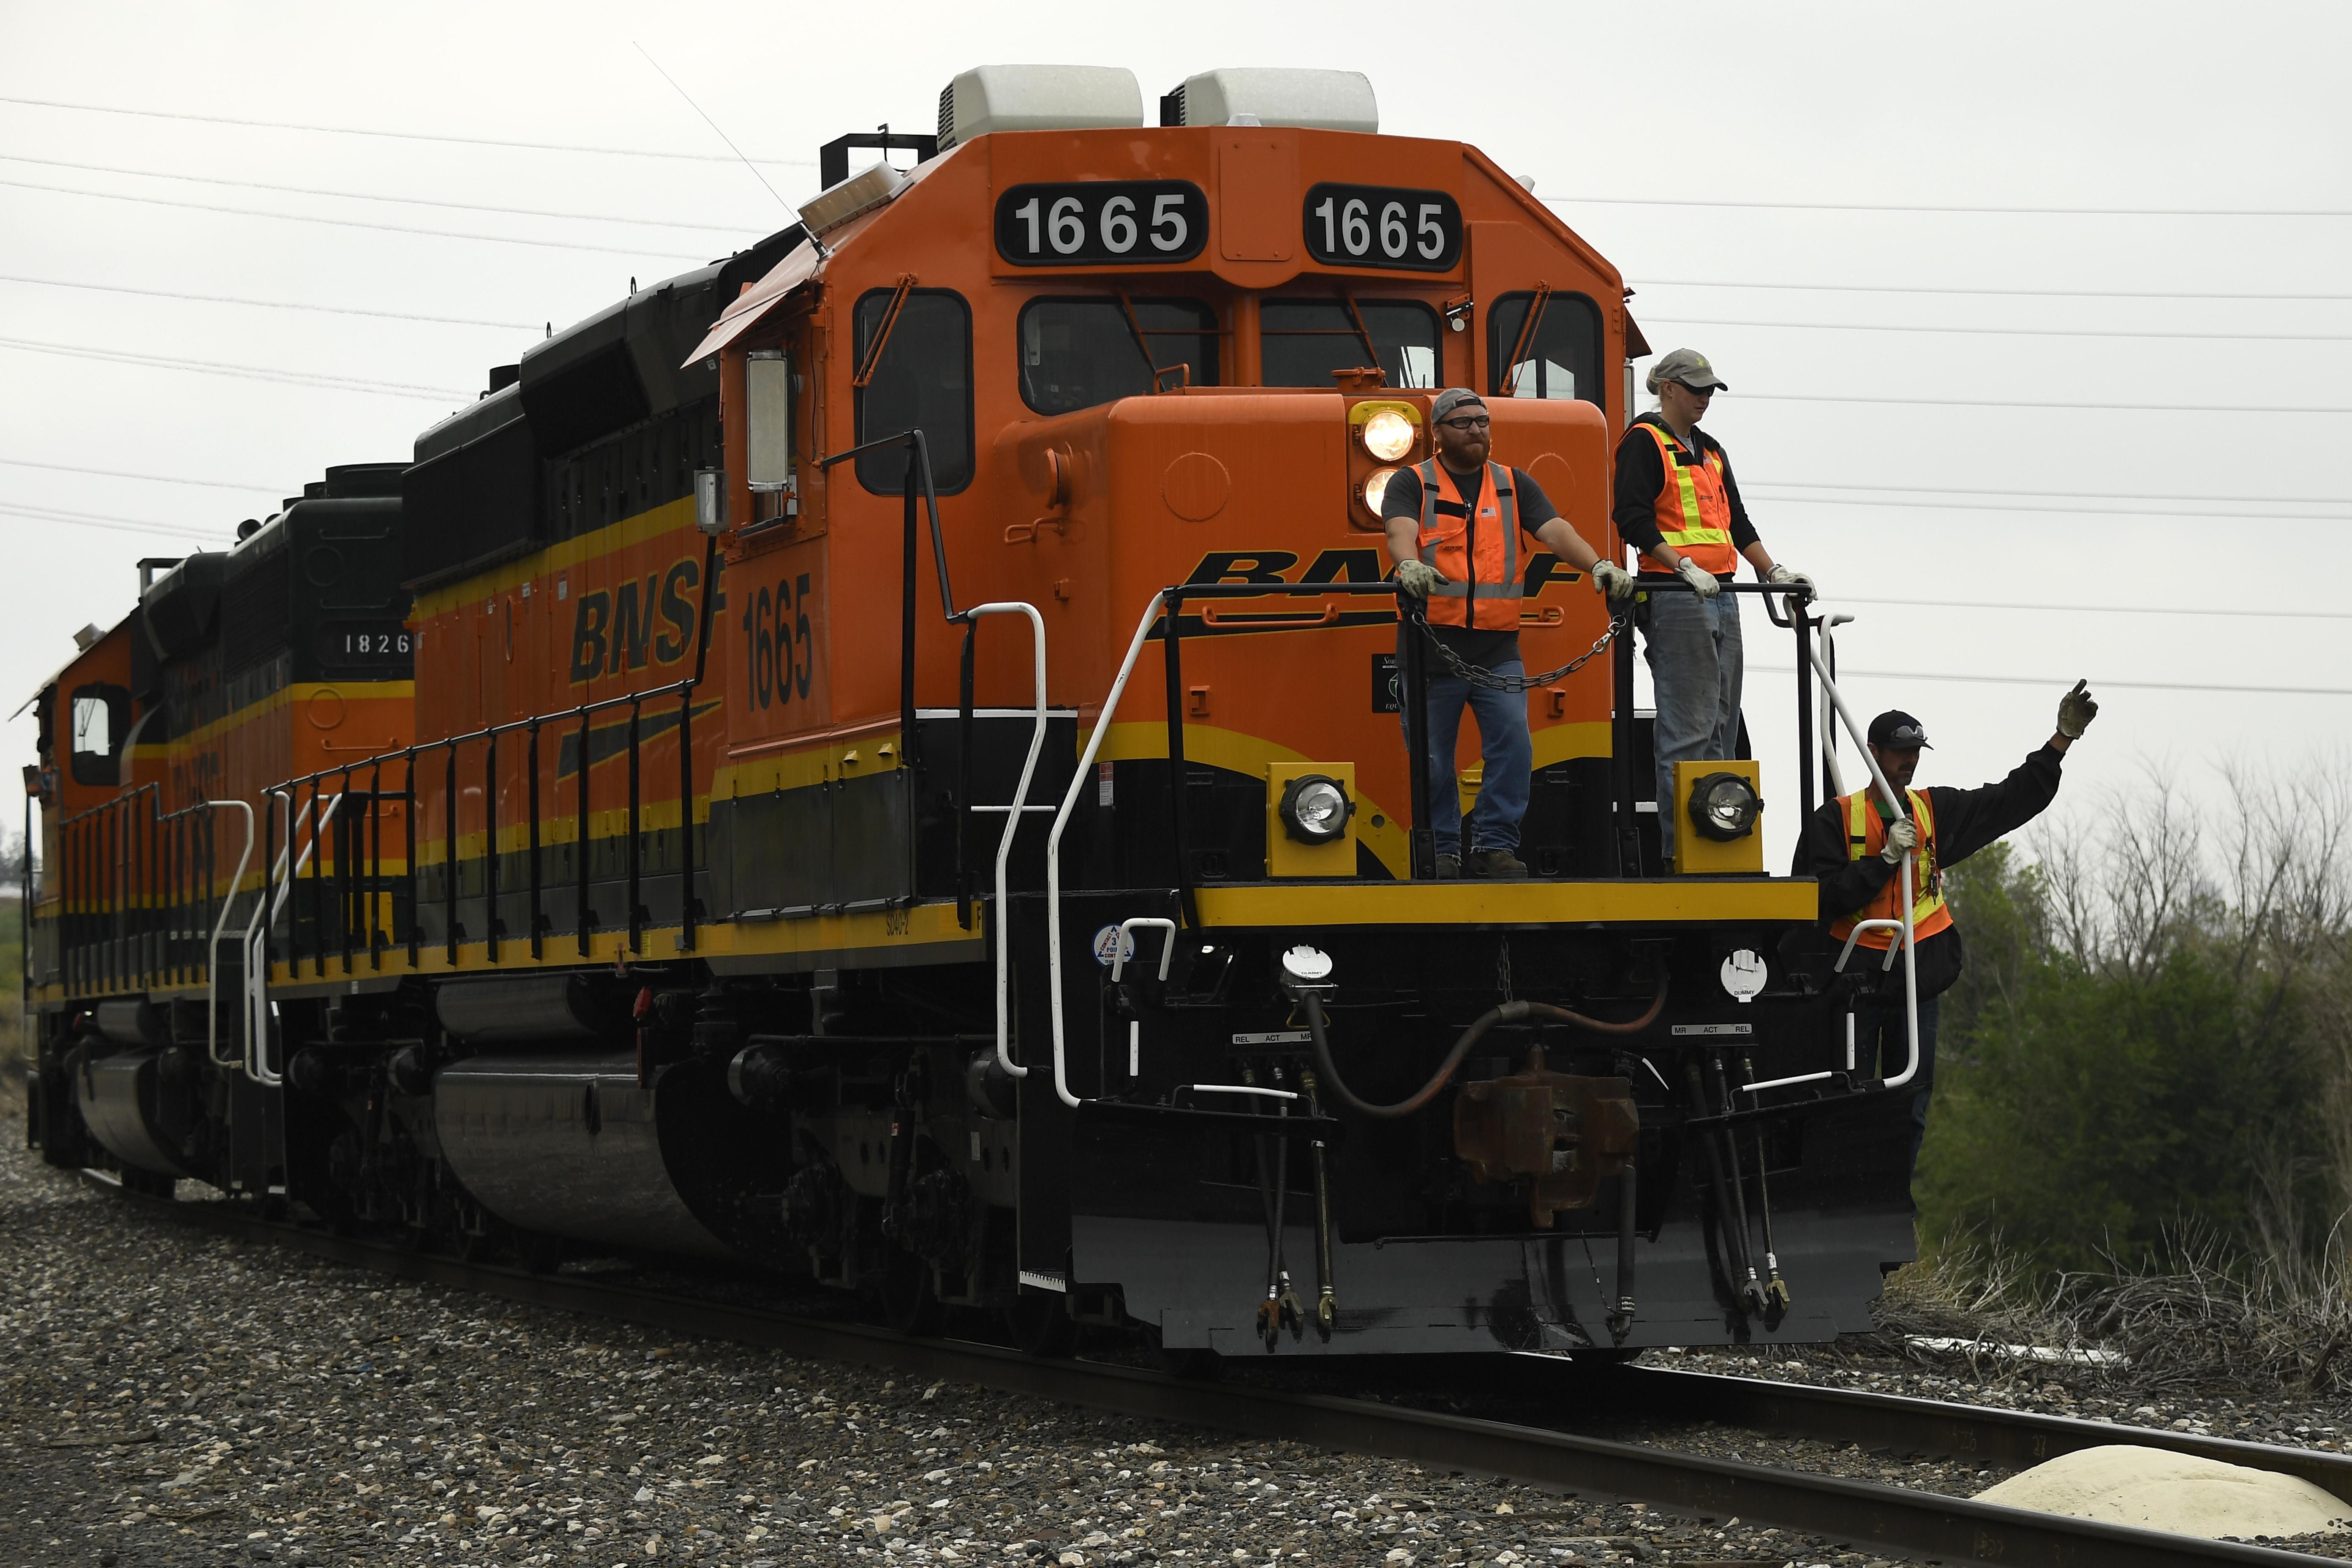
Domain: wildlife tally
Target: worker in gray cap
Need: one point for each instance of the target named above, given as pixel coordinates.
(1453, 525)
(1677, 504)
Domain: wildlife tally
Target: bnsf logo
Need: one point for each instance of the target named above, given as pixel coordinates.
(1339, 566)
(615, 630)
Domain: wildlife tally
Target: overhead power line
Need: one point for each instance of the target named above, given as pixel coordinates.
(110, 524)
(2017, 331)
(396, 135)
(352, 222)
(2070, 495)
(271, 304)
(2038, 507)
(156, 478)
(248, 372)
(2264, 614)
(367, 196)
(2026, 403)
(2062, 682)
(1926, 207)
(1989, 293)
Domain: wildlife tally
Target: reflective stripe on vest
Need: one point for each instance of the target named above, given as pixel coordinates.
(1866, 835)
(1694, 510)
(1478, 554)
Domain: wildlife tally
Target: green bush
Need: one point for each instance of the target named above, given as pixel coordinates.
(2140, 1048)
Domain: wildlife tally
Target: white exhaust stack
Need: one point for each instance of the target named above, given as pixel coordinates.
(1037, 98)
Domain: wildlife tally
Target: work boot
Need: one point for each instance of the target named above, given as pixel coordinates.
(1448, 865)
(1496, 863)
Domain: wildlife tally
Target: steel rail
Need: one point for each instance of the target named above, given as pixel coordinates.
(2012, 1438)
(1950, 1530)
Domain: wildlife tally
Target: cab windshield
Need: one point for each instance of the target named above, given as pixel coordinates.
(1307, 341)
(1079, 353)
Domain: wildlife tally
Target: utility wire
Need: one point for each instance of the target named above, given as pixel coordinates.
(157, 478)
(250, 371)
(108, 524)
(713, 124)
(1919, 207)
(2058, 507)
(2022, 402)
(365, 196)
(1846, 672)
(1989, 293)
(271, 304)
(393, 135)
(2265, 614)
(2071, 495)
(352, 222)
(2018, 331)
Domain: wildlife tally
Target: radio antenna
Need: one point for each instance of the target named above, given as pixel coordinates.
(714, 126)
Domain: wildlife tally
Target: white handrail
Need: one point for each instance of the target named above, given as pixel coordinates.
(1119, 952)
(1910, 937)
(265, 915)
(220, 925)
(1053, 842)
(1012, 815)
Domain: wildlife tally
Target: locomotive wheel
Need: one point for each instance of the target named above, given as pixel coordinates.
(910, 1304)
(1039, 1322)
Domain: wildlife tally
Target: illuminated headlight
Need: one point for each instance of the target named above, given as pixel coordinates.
(1316, 808)
(1388, 435)
(1723, 805)
(1376, 486)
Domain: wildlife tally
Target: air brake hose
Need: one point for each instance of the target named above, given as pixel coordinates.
(1509, 1013)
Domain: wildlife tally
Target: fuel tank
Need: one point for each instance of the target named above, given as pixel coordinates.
(572, 1143)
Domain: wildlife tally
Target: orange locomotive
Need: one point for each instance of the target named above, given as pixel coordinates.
(908, 783)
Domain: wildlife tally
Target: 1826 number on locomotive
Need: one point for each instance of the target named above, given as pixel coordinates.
(1102, 223)
(1383, 225)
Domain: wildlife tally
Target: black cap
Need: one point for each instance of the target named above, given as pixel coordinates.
(1898, 731)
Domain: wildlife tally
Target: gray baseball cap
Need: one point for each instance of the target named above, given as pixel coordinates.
(1451, 398)
(1688, 366)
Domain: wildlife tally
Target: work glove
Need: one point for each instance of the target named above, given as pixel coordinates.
(1418, 577)
(1901, 837)
(1612, 580)
(1783, 574)
(2075, 711)
(1701, 580)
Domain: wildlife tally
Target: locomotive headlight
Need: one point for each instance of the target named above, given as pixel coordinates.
(1388, 435)
(1724, 806)
(1376, 486)
(1315, 809)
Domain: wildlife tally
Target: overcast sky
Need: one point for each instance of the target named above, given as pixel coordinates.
(2152, 205)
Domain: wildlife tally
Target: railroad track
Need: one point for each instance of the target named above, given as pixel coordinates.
(1867, 1514)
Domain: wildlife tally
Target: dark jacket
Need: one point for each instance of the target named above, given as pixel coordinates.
(1966, 821)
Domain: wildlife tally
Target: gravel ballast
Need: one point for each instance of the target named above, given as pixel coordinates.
(168, 1397)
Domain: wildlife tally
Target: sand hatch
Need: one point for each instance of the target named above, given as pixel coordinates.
(2154, 1488)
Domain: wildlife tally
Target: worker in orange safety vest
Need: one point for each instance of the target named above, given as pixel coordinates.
(1454, 524)
(1853, 847)
(1677, 503)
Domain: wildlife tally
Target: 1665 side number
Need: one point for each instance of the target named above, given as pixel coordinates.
(1383, 225)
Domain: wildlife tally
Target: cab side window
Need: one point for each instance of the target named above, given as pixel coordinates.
(1561, 358)
(920, 380)
(99, 717)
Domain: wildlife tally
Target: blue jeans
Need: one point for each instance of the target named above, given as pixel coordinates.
(1695, 665)
(1510, 756)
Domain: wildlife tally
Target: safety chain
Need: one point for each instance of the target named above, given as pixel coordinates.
(1480, 676)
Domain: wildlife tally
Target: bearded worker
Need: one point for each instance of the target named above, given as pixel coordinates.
(1853, 846)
